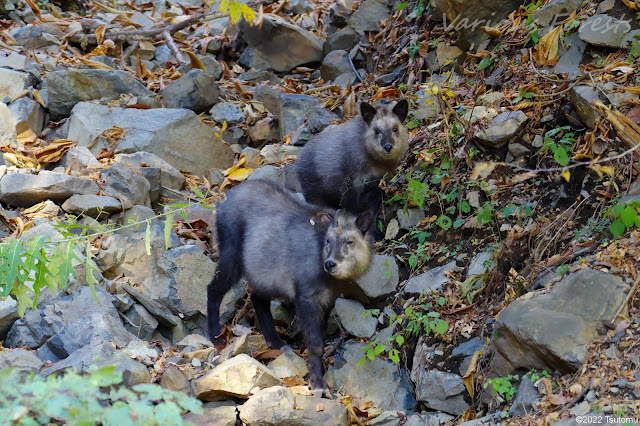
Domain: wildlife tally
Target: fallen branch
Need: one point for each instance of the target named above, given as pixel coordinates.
(171, 44)
(140, 35)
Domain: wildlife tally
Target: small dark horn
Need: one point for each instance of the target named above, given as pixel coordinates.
(335, 218)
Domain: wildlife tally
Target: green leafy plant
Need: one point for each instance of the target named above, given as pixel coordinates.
(523, 95)
(560, 142)
(534, 375)
(502, 386)
(95, 398)
(625, 215)
(487, 62)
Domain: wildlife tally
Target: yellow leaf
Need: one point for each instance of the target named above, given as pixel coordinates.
(224, 6)
(449, 93)
(566, 175)
(55, 11)
(100, 31)
(20, 160)
(196, 63)
(38, 97)
(224, 127)
(630, 4)
(34, 7)
(234, 11)
(26, 137)
(95, 64)
(248, 13)
(240, 174)
(602, 170)
(429, 102)
(483, 170)
(435, 90)
(469, 375)
(547, 49)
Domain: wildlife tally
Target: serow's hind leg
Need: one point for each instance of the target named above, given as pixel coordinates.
(263, 313)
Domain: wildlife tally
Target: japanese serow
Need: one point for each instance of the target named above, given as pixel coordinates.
(286, 249)
(343, 165)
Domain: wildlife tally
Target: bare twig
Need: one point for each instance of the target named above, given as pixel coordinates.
(146, 34)
(333, 349)
(171, 44)
(577, 399)
(632, 291)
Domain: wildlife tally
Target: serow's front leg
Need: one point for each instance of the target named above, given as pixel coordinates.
(312, 320)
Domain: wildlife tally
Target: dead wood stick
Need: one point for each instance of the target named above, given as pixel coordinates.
(171, 44)
(138, 35)
(577, 399)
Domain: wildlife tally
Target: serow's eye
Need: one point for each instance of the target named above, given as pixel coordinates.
(349, 243)
(395, 129)
(377, 131)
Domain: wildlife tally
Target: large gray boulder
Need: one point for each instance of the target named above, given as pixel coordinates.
(281, 45)
(68, 87)
(27, 114)
(12, 83)
(604, 30)
(196, 90)
(20, 359)
(365, 383)
(292, 109)
(236, 377)
(368, 16)
(441, 391)
(502, 128)
(169, 177)
(126, 185)
(91, 205)
(527, 334)
(281, 406)
(381, 278)
(25, 189)
(178, 136)
(69, 323)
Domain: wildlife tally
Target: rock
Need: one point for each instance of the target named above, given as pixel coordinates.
(553, 13)
(281, 45)
(235, 377)
(465, 351)
(525, 397)
(194, 341)
(583, 98)
(192, 272)
(518, 150)
(229, 301)
(289, 364)
(170, 176)
(27, 115)
(219, 413)
(8, 134)
(290, 108)
(91, 205)
(20, 359)
(368, 16)
(141, 323)
(32, 37)
(126, 185)
(427, 105)
(12, 83)
(227, 111)
(481, 263)
(428, 419)
(259, 77)
(67, 88)
(335, 64)
(8, 315)
(432, 280)
(410, 217)
(527, 334)
(441, 391)
(447, 54)
(281, 406)
(364, 384)
(604, 30)
(502, 128)
(320, 118)
(103, 355)
(25, 189)
(351, 316)
(195, 90)
(78, 158)
(344, 39)
(270, 173)
(630, 38)
(163, 132)
(68, 324)
(175, 380)
(381, 278)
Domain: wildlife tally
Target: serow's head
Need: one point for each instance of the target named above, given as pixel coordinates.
(346, 252)
(387, 137)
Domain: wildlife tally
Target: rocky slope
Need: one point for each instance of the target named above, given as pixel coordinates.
(501, 293)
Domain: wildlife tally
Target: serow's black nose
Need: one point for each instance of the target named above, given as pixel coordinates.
(329, 265)
(388, 147)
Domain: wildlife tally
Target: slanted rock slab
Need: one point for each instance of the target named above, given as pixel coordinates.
(282, 406)
(441, 391)
(235, 377)
(25, 189)
(178, 136)
(432, 280)
(352, 317)
(527, 333)
(381, 278)
(92, 205)
(502, 128)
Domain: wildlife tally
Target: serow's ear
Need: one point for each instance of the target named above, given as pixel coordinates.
(401, 109)
(367, 112)
(325, 218)
(364, 221)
